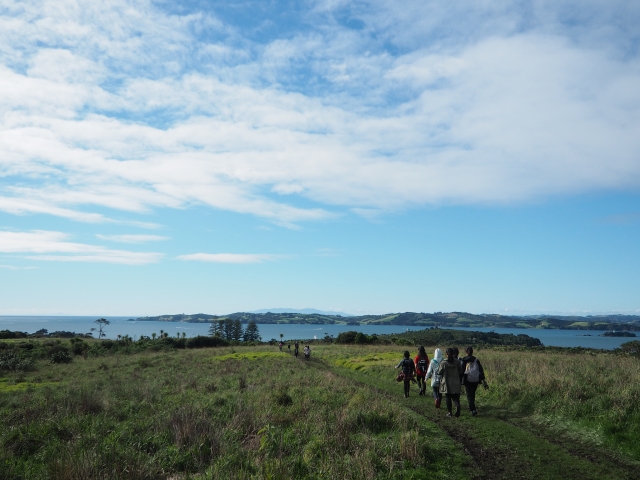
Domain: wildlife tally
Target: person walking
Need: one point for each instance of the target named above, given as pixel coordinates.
(408, 370)
(473, 376)
(451, 372)
(422, 365)
(307, 352)
(296, 349)
(432, 373)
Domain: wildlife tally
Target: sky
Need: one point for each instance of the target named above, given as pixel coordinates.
(165, 157)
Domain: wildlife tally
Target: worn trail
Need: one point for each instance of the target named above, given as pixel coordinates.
(504, 447)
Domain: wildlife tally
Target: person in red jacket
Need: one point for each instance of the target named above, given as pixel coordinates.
(422, 365)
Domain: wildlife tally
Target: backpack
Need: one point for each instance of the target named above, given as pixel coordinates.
(423, 365)
(407, 363)
(436, 378)
(473, 371)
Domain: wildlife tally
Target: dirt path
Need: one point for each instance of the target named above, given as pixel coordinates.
(500, 447)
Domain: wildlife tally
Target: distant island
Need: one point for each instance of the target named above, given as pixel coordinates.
(609, 323)
(618, 334)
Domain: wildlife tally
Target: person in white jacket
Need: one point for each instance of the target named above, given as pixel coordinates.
(432, 373)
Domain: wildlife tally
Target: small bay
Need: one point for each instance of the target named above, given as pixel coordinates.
(122, 326)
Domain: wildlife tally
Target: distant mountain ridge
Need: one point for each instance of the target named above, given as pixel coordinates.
(307, 311)
(423, 320)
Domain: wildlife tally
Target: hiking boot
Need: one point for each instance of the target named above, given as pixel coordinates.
(458, 411)
(448, 414)
(474, 413)
(437, 402)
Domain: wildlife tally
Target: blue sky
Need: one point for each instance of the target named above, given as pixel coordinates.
(367, 157)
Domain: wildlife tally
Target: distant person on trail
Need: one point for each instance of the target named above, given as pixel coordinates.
(307, 352)
(408, 370)
(473, 376)
(289, 347)
(450, 386)
(296, 349)
(422, 365)
(432, 373)
(280, 345)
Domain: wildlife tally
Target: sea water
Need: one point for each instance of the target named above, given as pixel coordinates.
(123, 326)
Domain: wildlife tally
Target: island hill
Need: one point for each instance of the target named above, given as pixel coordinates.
(423, 320)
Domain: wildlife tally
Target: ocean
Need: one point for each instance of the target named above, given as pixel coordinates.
(121, 326)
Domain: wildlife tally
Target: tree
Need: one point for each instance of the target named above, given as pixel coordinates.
(281, 336)
(214, 329)
(236, 333)
(251, 333)
(102, 322)
(153, 335)
(228, 329)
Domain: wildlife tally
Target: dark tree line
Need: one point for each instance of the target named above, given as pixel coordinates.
(232, 330)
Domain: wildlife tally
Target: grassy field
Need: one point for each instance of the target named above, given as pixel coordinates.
(255, 412)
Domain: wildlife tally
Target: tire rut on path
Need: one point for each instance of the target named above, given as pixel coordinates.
(481, 457)
(491, 460)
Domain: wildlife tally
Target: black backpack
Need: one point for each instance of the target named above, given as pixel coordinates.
(407, 363)
(423, 365)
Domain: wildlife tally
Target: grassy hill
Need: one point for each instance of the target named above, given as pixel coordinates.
(439, 319)
(255, 412)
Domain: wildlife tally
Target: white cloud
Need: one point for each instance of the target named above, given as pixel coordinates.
(524, 105)
(230, 257)
(135, 238)
(54, 246)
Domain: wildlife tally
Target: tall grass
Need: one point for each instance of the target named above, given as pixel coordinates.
(598, 392)
(208, 414)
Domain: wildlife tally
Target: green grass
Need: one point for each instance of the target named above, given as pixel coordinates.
(256, 412)
(251, 355)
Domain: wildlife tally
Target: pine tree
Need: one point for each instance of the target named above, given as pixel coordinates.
(213, 329)
(228, 329)
(237, 330)
(251, 333)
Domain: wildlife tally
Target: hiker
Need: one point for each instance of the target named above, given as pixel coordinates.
(450, 386)
(408, 370)
(289, 347)
(422, 365)
(456, 355)
(280, 345)
(307, 352)
(473, 376)
(432, 373)
(296, 348)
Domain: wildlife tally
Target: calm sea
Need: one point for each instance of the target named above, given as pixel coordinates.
(121, 326)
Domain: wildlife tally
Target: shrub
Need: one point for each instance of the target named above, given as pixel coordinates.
(60, 356)
(630, 348)
(202, 342)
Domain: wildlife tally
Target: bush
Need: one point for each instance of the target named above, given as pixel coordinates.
(12, 362)
(202, 342)
(630, 348)
(60, 356)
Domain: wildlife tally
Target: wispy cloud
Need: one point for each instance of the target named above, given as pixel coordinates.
(366, 107)
(140, 238)
(13, 267)
(55, 246)
(231, 257)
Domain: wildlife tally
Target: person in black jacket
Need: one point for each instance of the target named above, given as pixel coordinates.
(473, 376)
(409, 369)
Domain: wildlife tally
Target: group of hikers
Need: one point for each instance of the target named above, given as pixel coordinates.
(296, 349)
(447, 376)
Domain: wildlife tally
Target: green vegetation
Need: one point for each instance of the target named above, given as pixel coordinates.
(239, 411)
(438, 319)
